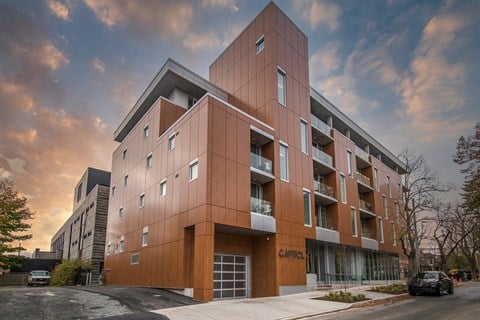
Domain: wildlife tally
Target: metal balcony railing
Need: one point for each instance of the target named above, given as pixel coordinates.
(363, 179)
(321, 156)
(260, 206)
(366, 205)
(320, 125)
(323, 188)
(260, 163)
(367, 233)
(362, 153)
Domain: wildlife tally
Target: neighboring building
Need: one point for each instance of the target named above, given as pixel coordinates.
(82, 236)
(55, 255)
(251, 184)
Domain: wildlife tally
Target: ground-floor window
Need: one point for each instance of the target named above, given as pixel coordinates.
(378, 266)
(230, 276)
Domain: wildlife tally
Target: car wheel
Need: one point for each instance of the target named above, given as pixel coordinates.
(439, 291)
(411, 292)
(450, 290)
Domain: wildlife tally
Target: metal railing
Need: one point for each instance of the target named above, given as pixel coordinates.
(362, 153)
(321, 156)
(341, 278)
(320, 125)
(367, 233)
(366, 205)
(363, 179)
(323, 188)
(260, 206)
(260, 163)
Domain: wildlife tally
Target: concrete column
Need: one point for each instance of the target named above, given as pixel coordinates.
(203, 261)
(330, 121)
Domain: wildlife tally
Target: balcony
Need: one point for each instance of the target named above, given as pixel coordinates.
(369, 243)
(366, 209)
(364, 184)
(367, 233)
(260, 206)
(324, 161)
(363, 158)
(327, 235)
(261, 169)
(261, 218)
(322, 132)
(324, 193)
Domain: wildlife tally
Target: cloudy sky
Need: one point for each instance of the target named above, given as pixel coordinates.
(407, 71)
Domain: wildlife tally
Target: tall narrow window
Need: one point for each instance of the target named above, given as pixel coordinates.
(149, 161)
(397, 212)
(79, 192)
(145, 237)
(349, 162)
(260, 44)
(282, 90)
(145, 132)
(380, 229)
(399, 191)
(283, 162)
(122, 244)
(163, 187)
(353, 212)
(385, 207)
(109, 248)
(306, 208)
(135, 258)
(171, 142)
(125, 180)
(193, 170)
(113, 190)
(141, 200)
(191, 101)
(394, 234)
(343, 189)
(375, 179)
(389, 187)
(120, 212)
(304, 136)
(124, 154)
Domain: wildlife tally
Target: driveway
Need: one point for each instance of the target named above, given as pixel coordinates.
(102, 302)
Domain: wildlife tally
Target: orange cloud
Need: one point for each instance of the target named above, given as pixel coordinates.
(59, 9)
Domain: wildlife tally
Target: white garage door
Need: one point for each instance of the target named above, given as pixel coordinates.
(230, 276)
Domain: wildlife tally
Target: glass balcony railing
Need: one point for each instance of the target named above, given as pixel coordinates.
(362, 153)
(260, 163)
(366, 205)
(321, 156)
(320, 125)
(363, 179)
(260, 206)
(323, 188)
(367, 233)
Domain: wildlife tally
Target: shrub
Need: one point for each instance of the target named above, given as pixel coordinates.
(70, 272)
(340, 296)
(397, 288)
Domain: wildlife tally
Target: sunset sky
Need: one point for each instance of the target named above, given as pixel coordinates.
(407, 71)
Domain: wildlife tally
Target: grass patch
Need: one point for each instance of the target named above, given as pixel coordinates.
(397, 288)
(340, 296)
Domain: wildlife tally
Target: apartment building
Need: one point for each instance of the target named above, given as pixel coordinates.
(251, 183)
(82, 236)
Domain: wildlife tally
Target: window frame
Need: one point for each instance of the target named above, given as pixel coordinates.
(145, 236)
(385, 206)
(120, 212)
(349, 163)
(141, 199)
(260, 44)
(146, 132)
(163, 187)
(171, 142)
(193, 164)
(380, 230)
(137, 255)
(125, 180)
(343, 188)
(284, 170)
(282, 98)
(353, 217)
(375, 179)
(149, 160)
(124, 154)
(304, 134)
(307, 193)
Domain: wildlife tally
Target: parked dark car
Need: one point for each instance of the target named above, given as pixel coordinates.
(436, 282)
(40, 277)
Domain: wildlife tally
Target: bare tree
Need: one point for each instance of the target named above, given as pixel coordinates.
(421, 185)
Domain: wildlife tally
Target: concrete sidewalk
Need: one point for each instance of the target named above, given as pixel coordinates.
(295, 306)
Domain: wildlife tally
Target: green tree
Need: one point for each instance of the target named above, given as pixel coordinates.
(14, 215)
(468, 156)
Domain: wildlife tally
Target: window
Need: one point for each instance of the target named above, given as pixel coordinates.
(125, 180)
(193, 170)
(122, 244)
(380, 229)
(124, 154)
(163, 187)
(306, 208)
(191, 101)
(113, 190)
(389, 187)
(171, 142)
(109, 248)
(375, 179)
(397, 212)
(343, 189)
(145, 132)
(353, 212)
(135, 258)
(304, 136)
(142, 200)
(322, 217)
(283, 162)
(385, 207)
(281, 82)
(120, 212)
(394, 235)
(260, 44)
(349, 162)
(145, 237)
(117, 247)
(79, 192)
(149, 161)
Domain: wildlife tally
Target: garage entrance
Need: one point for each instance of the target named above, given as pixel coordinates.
(230, 276)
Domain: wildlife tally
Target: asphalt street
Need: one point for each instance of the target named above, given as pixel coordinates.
(464, 304)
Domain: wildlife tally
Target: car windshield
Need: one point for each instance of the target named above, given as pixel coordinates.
(40, 273)
(426, 275)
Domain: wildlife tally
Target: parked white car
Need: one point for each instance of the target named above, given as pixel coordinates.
(40, 277)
